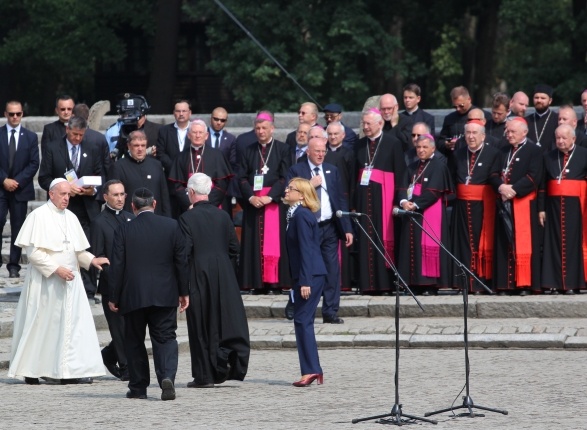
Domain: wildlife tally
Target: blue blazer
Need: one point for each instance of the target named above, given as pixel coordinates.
(303, 247)
(334, 188)
(25, 165)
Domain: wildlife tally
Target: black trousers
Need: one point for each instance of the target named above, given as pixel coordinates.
(17, 210)
(114, 352)
(162, 323)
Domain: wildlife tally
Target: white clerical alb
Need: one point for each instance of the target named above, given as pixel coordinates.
(54, 334)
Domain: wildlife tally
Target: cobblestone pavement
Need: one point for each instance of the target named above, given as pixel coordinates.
(540, 390)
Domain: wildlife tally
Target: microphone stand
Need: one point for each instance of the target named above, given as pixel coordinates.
(396, 413)
(467, 400)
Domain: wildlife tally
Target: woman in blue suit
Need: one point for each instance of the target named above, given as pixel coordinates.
(307, 271)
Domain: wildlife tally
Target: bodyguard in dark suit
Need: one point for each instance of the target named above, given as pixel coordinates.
(102, 233)
(149, 275)
(221, 139)
(69, 154)
(56, 130)
(307, 273)
(326, 179)
(19, 162)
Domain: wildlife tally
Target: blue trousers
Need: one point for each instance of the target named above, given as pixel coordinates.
(304, 313)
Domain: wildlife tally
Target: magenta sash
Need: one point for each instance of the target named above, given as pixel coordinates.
(387, 182)
(271, 245)
(430, 249)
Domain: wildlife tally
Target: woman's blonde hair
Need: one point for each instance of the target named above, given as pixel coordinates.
(306, 189)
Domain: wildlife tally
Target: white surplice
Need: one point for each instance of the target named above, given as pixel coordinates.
(54, 333)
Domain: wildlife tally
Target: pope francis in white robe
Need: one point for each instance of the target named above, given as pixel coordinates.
(54, 334)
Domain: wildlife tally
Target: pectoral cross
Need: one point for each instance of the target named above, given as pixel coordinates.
(66, 242)
(264, 169)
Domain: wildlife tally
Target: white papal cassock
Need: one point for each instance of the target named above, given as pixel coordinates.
(54, 333)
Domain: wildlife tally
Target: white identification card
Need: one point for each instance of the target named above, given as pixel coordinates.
(366, 176)
(258, 183)
(71, 176)
(410, 192)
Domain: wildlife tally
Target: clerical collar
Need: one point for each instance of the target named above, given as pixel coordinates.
(412, 112)
(570, 150)
(265, 144)
(542, 114)
(476, 150)
(134, 159)
(196, 148)
(520, 144)
(334, 148)
(376, 137)
(111, 210)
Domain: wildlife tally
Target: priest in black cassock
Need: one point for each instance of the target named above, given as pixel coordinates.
(216, 319)
(200, 158)
(380, 165)
(543, 122)
(563, 213)
(518, 234)
(424, 188)
(264, 267)
(476, 173)
(135, 170)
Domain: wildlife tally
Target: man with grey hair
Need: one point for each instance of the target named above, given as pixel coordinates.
(73, 158)
(202, 158)
(380, 165)
(562, 214)
(54, 334)
(302, 137)
(216, 319)
(424, 189)
(307, 114)
(476, 173)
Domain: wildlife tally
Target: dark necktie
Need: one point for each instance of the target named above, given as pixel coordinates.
(11, 150)
(217, 140)
(318, 213)
(74, 162)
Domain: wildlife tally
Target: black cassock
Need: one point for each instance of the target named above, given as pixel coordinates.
(208, 160)
(216, 319)
(525, 174)
(434, 177)
(387, 156)
(541, 129)
(254, 229)
(147, 173)
(481, 167)
(562, 264)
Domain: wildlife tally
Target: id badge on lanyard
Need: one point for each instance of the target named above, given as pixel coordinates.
(258, 183)
(71, 176)
(410, 191)
(366, 176)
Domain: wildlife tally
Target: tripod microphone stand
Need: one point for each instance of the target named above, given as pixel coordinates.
(467, 400)
(397, 415)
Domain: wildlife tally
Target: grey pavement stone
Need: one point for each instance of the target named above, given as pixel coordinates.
(436, 341)
(553, 330)
(493, 329)
(538, 329)
(408, 328)
(354, 308)
(525, 329)
(582, 332)
(422, 330)
(435, 330)
(569, 331)
(576, 342)
(477, 329)
(509, 330)
(452, 330)
(266, 342)
(334, 341)
(537, 341)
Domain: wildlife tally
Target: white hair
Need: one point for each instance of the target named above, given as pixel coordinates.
(200, 183)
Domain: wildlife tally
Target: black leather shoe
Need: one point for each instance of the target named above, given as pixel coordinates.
(113, 368)
(13, 273)
(333, 320)
(31, 381)
(124, 376)
(570, 292)
(131, 394)
(524, 293)
(168, 390)
(503, 293)
(289, 310)
(194, 384)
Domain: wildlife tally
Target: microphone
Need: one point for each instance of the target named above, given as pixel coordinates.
(401, 212)
(340, 214)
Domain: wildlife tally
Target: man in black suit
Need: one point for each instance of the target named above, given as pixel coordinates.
(326, 179)
(102, 233)
(149, 275)
(56, 130)
(171, 141)
(413, 112)
(333, 113)
(307, 114)
(19, 162)
(70, 157)
(94, 137)
(221, 139)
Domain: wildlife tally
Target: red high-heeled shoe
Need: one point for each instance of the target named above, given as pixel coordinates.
(307, 380)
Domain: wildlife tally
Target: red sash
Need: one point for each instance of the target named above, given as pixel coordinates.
(482, 259)
(573, 188)
(387, 182)
(271, 245)
(523, 234)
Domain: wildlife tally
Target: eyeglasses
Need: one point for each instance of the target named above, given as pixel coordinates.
(14, 113)
(65, 109)
(331, 115)
(219, 119)
(292, 189)
(414, 135)
(302, 113)
(462, 105)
